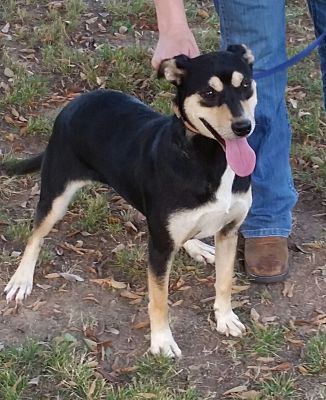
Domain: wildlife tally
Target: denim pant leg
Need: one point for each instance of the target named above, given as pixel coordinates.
(317, 10)
(260, 24)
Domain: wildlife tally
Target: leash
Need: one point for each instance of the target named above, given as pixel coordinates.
(259, 74)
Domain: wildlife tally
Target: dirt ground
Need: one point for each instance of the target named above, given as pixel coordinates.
(207, 357)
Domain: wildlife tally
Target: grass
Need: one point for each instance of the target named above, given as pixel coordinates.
(74, 10)
(279, 387)
(19, 230)
(8, 9)
(128, 13)
(63, 369)
(45, 256)
(183, 264)
(315, 354)
(39, 126)
(26, 90)
(308, 123)
(132, 262)
(62, 59)
(266, 340)
(25, 87)
(95, 211)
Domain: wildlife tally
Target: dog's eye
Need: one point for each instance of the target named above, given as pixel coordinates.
(208, 94)
(246, 83)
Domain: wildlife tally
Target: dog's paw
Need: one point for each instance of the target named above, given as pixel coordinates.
(163, 343)
(200, 251)
(229, 324)
(19, 287)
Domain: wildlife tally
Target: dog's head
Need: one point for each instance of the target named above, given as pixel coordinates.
(216, 94)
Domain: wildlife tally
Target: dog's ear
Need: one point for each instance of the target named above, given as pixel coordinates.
(243, 51)
(173, 69)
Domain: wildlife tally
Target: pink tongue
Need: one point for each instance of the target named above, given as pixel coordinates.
(240, 156)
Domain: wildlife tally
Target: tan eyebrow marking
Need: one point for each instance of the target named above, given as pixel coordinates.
(237, 78)
(248, 55)
(216, 83)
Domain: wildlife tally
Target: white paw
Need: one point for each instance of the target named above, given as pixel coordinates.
(19, 287)
(229, 324)
(200, 251)
(163, 343)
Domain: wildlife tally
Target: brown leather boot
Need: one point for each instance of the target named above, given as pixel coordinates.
(267, 259)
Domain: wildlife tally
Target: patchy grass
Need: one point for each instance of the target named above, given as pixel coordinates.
(64, 369)
(95, 211)
(184, 265)
(45, 256)
(305, 104)
(60, 58)
(19, 230)
(315, 354)
(130, 14)
(39, 126)
(8, 9)
(279, 387)
(74, 10)
(26, 90)
(266, 340)
(132, 261)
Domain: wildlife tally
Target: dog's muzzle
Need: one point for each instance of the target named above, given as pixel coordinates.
(241, 128)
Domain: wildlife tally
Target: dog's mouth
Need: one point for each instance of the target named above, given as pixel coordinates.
(239, 155)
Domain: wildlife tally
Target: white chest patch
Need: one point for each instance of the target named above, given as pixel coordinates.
(211, 217)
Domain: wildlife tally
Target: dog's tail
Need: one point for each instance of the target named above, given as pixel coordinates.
(21, 167)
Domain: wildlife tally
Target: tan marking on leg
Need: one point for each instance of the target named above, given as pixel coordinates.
(216, 83)
(227, 321)
(161, 336)
(158, 301)
(21, 283)
(237, 78)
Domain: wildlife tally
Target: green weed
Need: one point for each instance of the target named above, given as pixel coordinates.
(266, 340)
(39, 126)
(19, 230)
(315, 354)
(279, 387)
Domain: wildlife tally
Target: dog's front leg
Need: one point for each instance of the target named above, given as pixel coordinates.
(160, 260)
(200, 251)
(227, 321)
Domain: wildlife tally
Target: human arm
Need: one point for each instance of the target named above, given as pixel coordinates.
(175, 36)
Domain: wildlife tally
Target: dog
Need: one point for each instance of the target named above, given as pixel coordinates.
(188, 173)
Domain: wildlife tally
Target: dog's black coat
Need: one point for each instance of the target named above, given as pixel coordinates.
(146, 157)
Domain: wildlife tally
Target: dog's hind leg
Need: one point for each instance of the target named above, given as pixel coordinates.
(227, 321)
(50, 209)
(200, 251)
(160, 260)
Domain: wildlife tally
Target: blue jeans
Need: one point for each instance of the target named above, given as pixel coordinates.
(317, 10)
(260, 24)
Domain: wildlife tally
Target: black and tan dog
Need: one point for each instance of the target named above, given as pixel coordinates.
(189, 174)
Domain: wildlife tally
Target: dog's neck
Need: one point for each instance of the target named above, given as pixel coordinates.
(189, 128)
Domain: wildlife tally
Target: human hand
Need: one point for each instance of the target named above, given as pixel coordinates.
(173, 43)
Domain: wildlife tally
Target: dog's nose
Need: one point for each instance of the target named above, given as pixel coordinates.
(241, 128)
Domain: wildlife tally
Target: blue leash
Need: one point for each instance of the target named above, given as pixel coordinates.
(259, 74)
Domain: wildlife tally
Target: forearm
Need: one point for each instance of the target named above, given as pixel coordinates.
(175, 36)
(170, 14)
